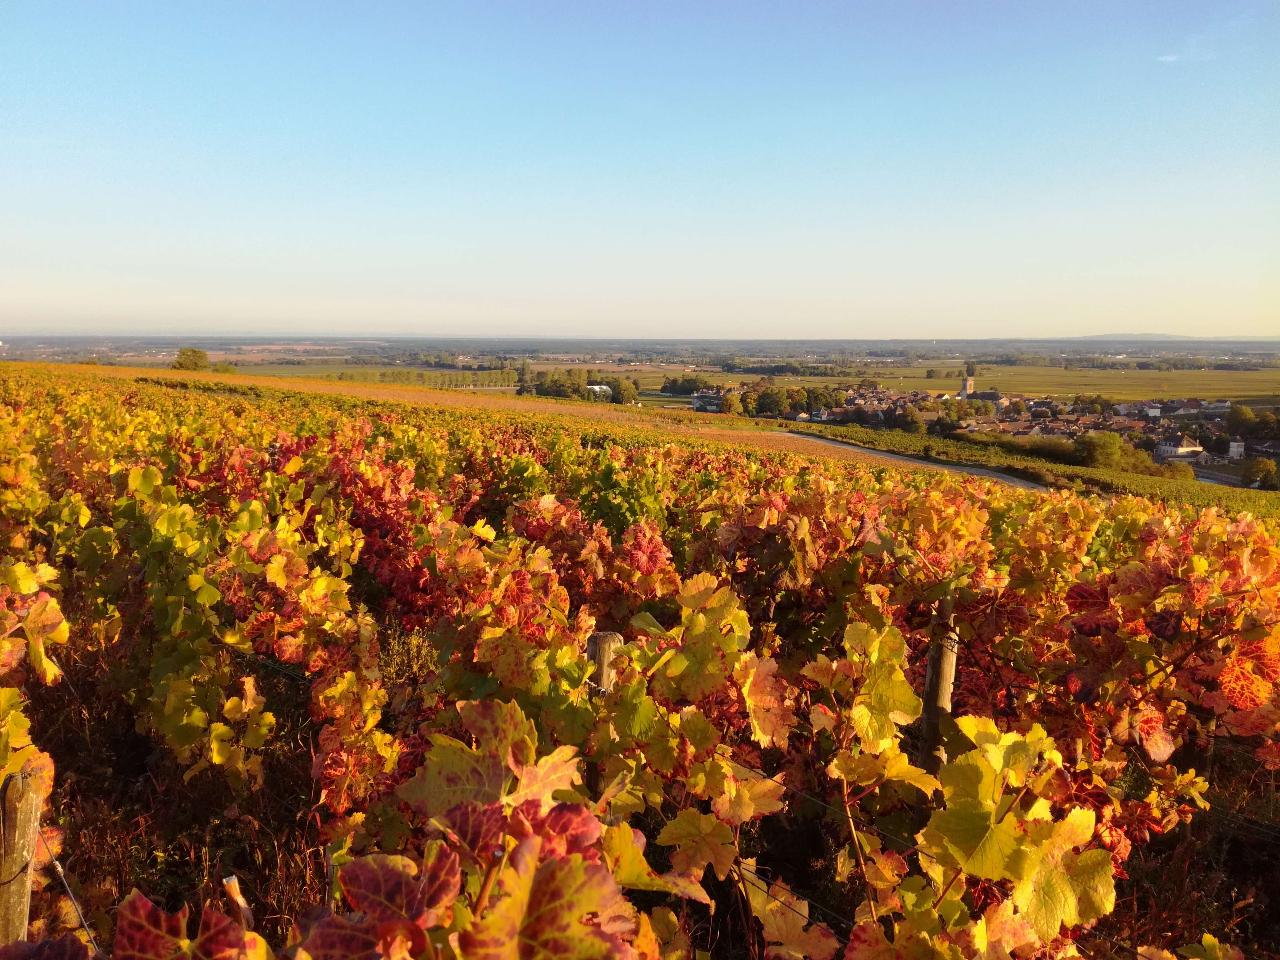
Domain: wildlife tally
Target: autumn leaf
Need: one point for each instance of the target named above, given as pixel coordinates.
(1154, 734)
(538, 781)
(557, 909)
(747, 795)
(699, 839)
(451, 774)
(1057, 887)
(501, 728)
(391, 888)
(892, 765)
(1210, 948)
(44, 624)
(785, 920)
(146, 932)
(765, 695)
(624, 852)
(981, 842)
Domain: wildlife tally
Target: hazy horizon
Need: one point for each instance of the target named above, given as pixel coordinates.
(738, 171)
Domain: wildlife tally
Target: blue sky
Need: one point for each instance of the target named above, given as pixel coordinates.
(641, 169)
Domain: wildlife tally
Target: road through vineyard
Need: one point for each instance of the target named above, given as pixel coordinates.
(336, 648)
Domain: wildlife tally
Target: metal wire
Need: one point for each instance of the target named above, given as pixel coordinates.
(835, 915)
(75, 904)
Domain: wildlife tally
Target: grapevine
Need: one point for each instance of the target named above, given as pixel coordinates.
(361, 630)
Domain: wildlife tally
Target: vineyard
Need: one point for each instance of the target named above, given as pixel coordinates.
(319, 677)
(1050, 473)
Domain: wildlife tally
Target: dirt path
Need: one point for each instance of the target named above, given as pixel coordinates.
(897, 459)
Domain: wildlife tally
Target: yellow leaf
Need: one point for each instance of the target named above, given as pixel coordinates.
(765, 693)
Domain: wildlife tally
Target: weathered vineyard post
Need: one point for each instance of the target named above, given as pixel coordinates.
(940, 677)
(20, 804)
(600, 650)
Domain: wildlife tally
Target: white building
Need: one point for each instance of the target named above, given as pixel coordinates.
(1178, 447)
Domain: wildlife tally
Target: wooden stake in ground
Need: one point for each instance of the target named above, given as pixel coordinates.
(600, 650)
(20, 804)
(940, 677)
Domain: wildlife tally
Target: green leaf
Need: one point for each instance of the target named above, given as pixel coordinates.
(970, 832)
(1056, 887)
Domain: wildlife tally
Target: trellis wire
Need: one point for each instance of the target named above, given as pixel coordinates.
(75, 903)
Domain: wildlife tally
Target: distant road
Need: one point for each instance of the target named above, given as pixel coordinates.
(1215, 477)
(935, 464)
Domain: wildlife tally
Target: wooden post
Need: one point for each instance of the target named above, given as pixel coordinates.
(600, 650)
(20, 805)
(940, 677)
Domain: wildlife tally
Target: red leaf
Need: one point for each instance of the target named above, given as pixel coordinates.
(1154, 735)
(339, 938)
(478, 828)
(1092, 609)
(145, 932)
(568, 828)
(387, 888)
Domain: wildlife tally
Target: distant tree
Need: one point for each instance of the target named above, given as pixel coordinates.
(686, 385)
(932, 374)
(622, 389)
(1261, 471)
(731, 403)
(189, 358)
(822, 398)
(1102, 449)
(911, 421)
(970, 368)
(1241, 419)
(223, 367)
(773, 400)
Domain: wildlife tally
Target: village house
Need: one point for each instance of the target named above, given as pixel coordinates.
(708, 401)
(1178, 447)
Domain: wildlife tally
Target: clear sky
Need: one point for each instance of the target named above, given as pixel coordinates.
(641, 168)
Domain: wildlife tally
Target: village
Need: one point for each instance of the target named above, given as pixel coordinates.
(1202, 433)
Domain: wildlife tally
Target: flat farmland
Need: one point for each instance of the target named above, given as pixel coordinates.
(1251, 385)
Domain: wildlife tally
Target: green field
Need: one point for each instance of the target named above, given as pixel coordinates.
(1254, 386)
